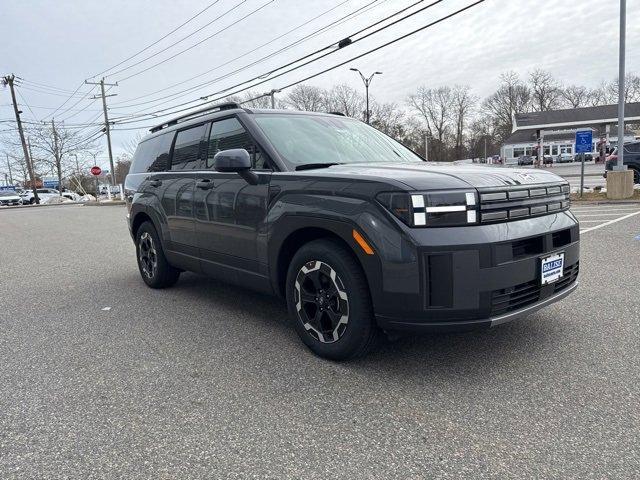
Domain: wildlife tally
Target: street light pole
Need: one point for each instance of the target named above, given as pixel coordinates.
(621, 73)
(367, 82)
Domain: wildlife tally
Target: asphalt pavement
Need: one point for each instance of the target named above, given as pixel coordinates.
(102, 377)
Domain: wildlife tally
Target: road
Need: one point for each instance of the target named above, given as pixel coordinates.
(104, 378)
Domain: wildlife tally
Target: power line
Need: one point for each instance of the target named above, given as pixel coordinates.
(185, 92)
(25, 102)
(38, 107)
(45, 92)
(159, 40)
(65, 102)
(268, 74)
(179, 41)
(42, 85)
(397, 39)
(253, 12)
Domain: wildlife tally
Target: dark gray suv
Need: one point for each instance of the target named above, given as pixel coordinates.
(357, 232)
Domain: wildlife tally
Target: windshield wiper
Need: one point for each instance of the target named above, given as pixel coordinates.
(311, 166)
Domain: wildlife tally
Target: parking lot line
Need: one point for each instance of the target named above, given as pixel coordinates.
(628, 209)
(610, 222)
(602, 214)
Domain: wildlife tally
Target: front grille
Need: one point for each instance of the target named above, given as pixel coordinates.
(510, 299)
(517, 202)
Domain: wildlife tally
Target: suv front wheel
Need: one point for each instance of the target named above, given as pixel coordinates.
(153, 265)
(328, 298)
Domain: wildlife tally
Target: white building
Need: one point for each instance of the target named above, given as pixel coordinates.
(556, 129)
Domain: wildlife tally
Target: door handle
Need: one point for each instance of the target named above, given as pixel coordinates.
(155, 183)
(204, 184)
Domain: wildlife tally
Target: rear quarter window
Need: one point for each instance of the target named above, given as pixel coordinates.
(152, 155)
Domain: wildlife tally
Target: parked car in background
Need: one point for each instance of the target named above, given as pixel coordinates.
(547, 160)
(525, 160)
(564, 158)
(631, 159)
(44, 193)
(9, 198)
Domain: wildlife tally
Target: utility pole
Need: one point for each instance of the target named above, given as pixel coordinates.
(621, 74)
(367, 82)
(106, 121)
(9, 167)
(273, 97)
(485, 148)
(8, 80)
(426, 147)
(56, 155)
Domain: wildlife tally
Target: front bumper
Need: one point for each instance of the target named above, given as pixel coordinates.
(478, 277)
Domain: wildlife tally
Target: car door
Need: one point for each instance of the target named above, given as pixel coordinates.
(229, 212)
(176, 188)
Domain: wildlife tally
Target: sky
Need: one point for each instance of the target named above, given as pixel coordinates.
(62, 43)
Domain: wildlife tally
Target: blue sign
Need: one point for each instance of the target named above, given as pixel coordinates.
(584, 141)
(50, 184)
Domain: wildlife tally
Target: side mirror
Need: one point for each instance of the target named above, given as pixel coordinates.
(235, 160)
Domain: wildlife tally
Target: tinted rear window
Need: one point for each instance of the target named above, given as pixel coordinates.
(186, 152)
(152, 155)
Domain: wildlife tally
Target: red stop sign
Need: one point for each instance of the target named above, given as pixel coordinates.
(96, 170)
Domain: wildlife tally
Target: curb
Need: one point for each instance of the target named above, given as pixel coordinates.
(105, 204)
(65, 204)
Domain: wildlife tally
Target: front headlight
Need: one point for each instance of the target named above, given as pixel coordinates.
(443, 208)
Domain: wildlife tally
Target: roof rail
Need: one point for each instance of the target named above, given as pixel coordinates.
(212, 108)
(337, 113)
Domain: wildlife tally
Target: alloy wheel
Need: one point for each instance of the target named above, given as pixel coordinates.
(147, 255)
(321, 300)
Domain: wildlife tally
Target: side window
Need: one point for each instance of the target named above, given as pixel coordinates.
(632, 148)
(152, 155)
(186, 151)
(161, 153)
(228, 134)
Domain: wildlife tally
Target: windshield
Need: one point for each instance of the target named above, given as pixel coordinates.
(7, 194)
(311, 139)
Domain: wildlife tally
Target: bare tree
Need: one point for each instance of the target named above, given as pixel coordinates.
(57, 144)
(631, 89)
(346, 100)
(131, 145)
(307, 98)
(463, 104)
(252, 99)
(511, 97)
(545, 91)
(435, 106)
(575, 96)
(388, 118)
(122, 166)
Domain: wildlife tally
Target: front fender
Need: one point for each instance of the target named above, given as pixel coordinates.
(339, 216)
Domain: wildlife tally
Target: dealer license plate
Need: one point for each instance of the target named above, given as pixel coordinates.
(552, 268)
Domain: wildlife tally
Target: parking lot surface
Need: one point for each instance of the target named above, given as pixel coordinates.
(102, 377)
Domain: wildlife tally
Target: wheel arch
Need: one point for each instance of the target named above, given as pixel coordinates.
(138, 219)
(340, 232)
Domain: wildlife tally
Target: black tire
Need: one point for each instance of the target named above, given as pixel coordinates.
(152, 263)
(348, 301)
(636, 176)
(32, 201)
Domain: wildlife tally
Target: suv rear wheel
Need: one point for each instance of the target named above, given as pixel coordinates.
(329, 300)
(154, 268)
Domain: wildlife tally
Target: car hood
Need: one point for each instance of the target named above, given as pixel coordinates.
(422, 176)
